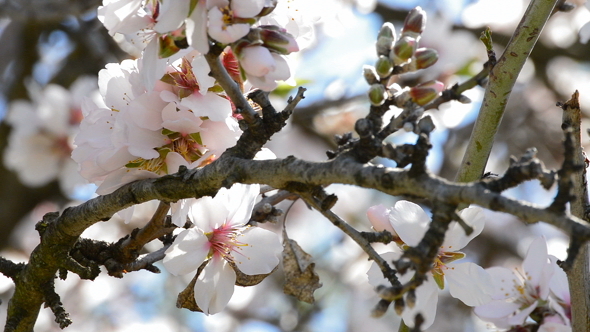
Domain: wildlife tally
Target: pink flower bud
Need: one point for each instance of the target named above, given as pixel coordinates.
(404, 49)
(278, 40)
(415, 22)
(379, 217)
(425, 57)
(423, 93)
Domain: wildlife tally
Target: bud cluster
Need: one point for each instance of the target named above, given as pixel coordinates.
(402, 55)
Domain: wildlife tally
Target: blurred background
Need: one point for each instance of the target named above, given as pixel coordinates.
(52, 51)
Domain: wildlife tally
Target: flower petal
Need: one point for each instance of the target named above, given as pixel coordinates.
(504, 282)
(215, 286)
(469, 283)
(208, 213)
(379, 217)
(455, 238)
(496, 312)
(189, 250)
(426, 301)
(240, 199)
(260, 252)
(409, 221)
(537, 267)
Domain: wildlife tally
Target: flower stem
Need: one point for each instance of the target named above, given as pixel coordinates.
(501, 81)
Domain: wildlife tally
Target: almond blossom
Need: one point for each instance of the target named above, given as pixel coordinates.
(538, 283)
(466, 281)
(137, 133)
(40, 142)
(221, 238)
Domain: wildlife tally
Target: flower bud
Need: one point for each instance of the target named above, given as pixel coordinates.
(425, 57)
(411, 298)
(378, 216)
(414, 23)
(377, 94)
(463, 99)
(404, 49)
(278, 40)
(370, 74)
(385, 39)
(384, 66)
(380, 309)
(399, 306)
(423, 93)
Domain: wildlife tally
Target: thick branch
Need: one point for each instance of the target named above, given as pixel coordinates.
(578, 275)
(61, 233)
(502, 79)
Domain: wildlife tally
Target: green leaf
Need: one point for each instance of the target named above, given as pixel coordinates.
(486, 38)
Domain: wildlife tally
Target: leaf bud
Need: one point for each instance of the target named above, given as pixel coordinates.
(384, 66)
(411, 298)
(425, 92)
(463, 99)
(399, 306)
(370, 74)
(414, 23)
(425, 57)
(385, 39)
(380, 309)
(377, 94)
(403, 49)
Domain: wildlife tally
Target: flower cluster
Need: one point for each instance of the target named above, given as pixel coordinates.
(40, 143)
(468, 282)
(220, 238)
(136, 133)
(166, 30)
(398, 56)
(537, 291)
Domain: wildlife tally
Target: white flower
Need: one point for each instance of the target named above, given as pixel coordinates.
(263, 68)
(40, 143)
(218, 238)
(137, 133)
(467, 281)
(519, 292)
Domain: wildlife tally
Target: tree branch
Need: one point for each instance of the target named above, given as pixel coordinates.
(502, 79)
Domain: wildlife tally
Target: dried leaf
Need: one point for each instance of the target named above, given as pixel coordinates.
(186, 298)
(300, 278)
(246, 280)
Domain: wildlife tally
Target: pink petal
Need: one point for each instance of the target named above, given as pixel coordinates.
(196, 28)
(379, 217)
